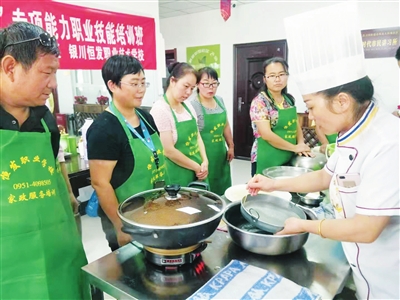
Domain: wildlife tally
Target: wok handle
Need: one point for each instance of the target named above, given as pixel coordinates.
(200, 184)
(139, 232)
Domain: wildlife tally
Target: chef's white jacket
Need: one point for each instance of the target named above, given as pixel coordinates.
(367, 156)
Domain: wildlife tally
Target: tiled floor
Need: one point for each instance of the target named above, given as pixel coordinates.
(94, 240)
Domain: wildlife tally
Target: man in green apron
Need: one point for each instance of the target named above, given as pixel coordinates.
(125, 152)
(41, 253)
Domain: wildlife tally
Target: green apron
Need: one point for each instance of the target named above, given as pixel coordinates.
(145, 173)
(219, 170)
(331, 138)
(286, 128)
(41, 250)
(187, 144)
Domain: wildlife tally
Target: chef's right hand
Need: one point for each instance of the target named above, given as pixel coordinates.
(123, 238)
(260, 182)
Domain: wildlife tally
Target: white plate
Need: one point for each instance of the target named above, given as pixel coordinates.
(237, 192)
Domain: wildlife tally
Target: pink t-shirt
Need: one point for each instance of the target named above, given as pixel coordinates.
(164, 119)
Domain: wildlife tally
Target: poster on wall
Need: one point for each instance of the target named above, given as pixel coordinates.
(381, 42)
(204, 56)
(86, 36)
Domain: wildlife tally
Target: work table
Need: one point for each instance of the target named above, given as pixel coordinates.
(320, 266)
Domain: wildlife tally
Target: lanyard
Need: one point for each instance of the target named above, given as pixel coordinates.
(147, 141)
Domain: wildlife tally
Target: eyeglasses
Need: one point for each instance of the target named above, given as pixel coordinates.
(137, 85)
(210, 85)
(44, 39)
(274, 77)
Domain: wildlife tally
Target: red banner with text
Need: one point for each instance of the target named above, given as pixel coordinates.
(86, 36)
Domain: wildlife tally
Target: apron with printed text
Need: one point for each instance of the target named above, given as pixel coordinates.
(188, 145)
(286, 128)
(219, 170)
(41, 250)
(145, 173)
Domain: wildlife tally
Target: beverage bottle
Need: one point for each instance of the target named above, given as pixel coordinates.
(84, 129)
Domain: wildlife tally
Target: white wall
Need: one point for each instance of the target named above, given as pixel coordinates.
(263, 21)
(144, 8)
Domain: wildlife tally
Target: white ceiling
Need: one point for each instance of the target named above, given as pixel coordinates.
(173, 8)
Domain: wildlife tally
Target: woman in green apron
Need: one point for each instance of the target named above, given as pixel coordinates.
(186, 157)
(214, 129)
(124, 150)
(41, 250)
(277, 133)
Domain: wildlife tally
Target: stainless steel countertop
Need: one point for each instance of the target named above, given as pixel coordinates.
(320, 266)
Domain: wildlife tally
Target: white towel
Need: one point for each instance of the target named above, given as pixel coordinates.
(239, 280)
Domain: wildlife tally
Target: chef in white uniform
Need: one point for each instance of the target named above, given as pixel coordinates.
(363, 173)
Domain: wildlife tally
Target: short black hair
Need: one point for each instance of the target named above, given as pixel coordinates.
(211, 73)
(117, 66)
(398, 54)
(24, 53)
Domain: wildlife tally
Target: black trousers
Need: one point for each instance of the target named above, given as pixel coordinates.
(108, 229)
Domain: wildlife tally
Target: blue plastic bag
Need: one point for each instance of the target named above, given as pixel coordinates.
(93, 205)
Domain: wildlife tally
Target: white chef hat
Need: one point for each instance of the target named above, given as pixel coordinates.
(325, 47)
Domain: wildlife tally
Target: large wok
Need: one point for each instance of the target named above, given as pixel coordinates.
(257, 241)
(184, 226)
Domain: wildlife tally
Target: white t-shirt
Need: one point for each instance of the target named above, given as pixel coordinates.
(371, 149)
(162, 115)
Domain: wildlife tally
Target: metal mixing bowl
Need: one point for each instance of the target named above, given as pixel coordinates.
(254, 240)
(314, 163)
(282, 172)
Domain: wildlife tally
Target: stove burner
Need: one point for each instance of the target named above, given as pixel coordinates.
(171, 258)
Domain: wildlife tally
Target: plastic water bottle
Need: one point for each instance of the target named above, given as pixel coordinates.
(84, 130)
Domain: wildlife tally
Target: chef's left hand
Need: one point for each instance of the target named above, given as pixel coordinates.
(292, 226)
(74, 203)
(230, 154)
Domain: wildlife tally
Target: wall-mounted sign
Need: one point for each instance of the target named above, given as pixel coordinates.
(86, 36)
(381, 42)
(204, 56)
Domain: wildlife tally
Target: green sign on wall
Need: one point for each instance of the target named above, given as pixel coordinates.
(204, 56)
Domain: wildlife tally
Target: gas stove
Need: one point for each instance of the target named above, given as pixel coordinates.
(171, 258)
